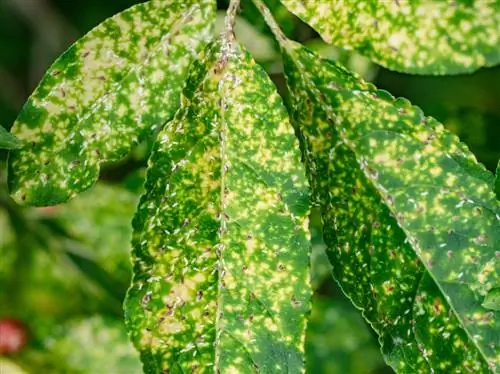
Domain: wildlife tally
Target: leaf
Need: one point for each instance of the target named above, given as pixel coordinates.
(220, 238)
(7, 140)
(418, 36)
(410, 218)
(112, 88)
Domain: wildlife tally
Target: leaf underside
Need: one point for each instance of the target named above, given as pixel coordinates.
(417, 36)
(112, 88)
(7, 140)
(410, 219)
(220, 243)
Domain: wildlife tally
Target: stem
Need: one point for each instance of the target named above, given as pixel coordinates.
(231, 18)
(273, 25)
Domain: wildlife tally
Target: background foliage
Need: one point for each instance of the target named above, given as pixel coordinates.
(64, 270)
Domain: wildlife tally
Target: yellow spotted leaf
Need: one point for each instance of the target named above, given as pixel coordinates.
(221, 252)
(115, 86)
(415, 36)
(410, 218)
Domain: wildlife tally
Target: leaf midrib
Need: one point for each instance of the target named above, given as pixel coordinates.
(224, 58)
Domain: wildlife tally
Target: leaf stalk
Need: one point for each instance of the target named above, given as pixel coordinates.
(230, 20)
(272, 24)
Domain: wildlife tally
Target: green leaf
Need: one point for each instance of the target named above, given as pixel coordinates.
(418, 36)
(7, 140)
(410, 218)
(112, 88)
(221, 247)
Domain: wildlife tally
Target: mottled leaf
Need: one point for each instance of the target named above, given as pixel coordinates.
(112, 88)
(410, 218)
(417, 36)
(220, 243)
(7, 140)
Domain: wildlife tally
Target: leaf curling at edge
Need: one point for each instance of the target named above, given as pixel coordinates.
(221, 250)
(114, 87)
(7, 140)
(410, 218)
(417, 36)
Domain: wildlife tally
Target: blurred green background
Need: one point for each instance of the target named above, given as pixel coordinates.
(64, 270)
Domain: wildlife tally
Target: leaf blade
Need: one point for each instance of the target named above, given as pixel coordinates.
(225, 186)
(102, 96)
(420, 37)
(8, 141)
(390, 182)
